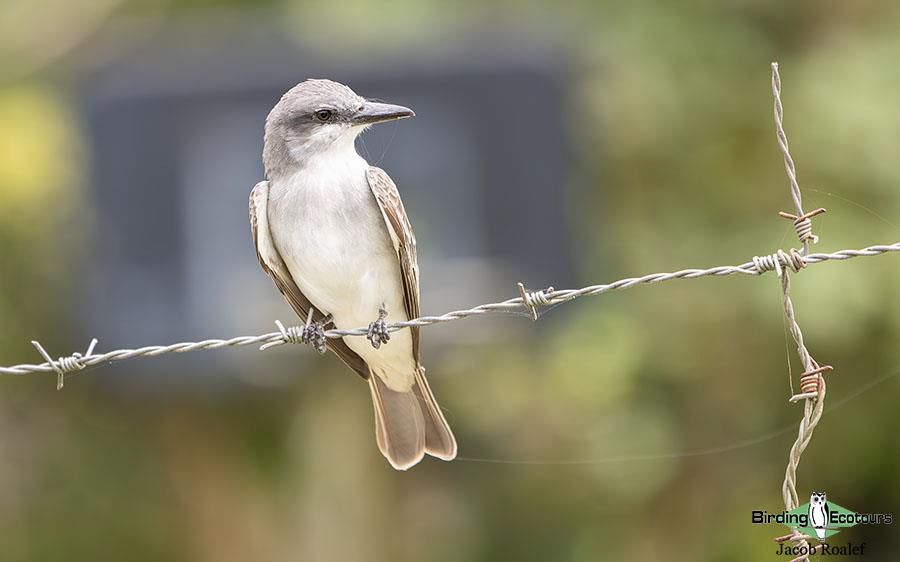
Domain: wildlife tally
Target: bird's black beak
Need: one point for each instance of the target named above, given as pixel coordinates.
(374, 112)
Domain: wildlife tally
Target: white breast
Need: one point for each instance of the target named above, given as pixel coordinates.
(330, 233)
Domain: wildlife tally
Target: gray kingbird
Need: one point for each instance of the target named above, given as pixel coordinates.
(331, 232)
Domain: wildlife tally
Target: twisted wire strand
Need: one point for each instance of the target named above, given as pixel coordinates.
(781, 137)
(812, 407)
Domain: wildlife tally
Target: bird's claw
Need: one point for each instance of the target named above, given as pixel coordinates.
(314, 334)
(378, 332)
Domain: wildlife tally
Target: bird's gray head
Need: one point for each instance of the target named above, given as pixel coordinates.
(316, 117)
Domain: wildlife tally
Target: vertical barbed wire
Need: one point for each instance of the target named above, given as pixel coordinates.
(812, 381)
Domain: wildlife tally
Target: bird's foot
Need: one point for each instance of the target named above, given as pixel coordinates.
(314, 333)
(378, 332)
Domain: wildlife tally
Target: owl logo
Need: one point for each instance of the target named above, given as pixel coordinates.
(818, 513)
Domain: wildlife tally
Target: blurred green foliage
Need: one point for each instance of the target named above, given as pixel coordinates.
(646, 426)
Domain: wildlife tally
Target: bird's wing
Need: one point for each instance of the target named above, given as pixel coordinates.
(404, 242)
(271, 262)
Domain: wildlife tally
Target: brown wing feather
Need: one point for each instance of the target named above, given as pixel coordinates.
(404, 242)
(439, 440)
(273, 265)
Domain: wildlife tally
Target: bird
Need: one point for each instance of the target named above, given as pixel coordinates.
(818, 513)
(332, 233)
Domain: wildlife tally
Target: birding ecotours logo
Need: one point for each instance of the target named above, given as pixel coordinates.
(821, 518)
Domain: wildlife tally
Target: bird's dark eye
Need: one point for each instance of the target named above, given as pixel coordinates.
(324, 115)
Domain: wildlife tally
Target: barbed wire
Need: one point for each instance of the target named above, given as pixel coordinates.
(812, 380)
(530, 301)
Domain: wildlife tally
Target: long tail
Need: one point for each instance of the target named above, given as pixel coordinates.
(410, 424)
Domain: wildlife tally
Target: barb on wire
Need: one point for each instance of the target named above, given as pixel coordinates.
(811, 383)
(803, 224)
(65, 365)
(531, 300)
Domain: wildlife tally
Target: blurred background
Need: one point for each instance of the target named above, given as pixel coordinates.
(562, 144)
